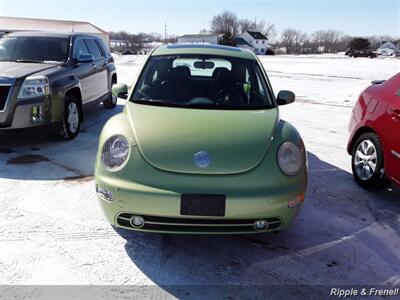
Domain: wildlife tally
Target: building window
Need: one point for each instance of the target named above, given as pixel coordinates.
(256, 41)
(263, 42)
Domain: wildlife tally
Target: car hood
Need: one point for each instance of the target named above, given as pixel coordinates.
(18, 70)
(176, 139)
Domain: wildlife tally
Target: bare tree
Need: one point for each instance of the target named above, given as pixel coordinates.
(225, 23)
(293, 40)
(287, 39)
(267, 29)
(327, 40)
(300, 39)
(245, 25)
(343, 43)
(378, 40)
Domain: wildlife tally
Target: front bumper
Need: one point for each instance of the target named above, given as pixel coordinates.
(140, 189)
(161, 210)
(26, 114)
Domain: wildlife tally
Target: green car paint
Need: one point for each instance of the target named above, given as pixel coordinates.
(242, 144)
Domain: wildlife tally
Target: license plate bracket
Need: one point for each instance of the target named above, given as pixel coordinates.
(203, 205)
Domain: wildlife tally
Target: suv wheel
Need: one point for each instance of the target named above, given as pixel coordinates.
(111, 100)
(367, 161)
(72, 118)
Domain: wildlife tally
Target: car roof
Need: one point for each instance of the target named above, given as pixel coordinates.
(48, 34)
(207, 49)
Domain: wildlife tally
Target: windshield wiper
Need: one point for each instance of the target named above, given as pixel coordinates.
(158, 103)
(222, 106)
(29, 61)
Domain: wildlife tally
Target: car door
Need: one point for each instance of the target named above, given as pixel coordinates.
(85, 71)
(394, 113)
(390, 128)
(100, 79)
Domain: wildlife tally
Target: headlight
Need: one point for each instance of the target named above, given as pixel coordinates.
(34, 86)
(290, 158)
(115, 152)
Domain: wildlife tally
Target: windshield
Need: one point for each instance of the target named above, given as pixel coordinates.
(34, 49)
(200, 81)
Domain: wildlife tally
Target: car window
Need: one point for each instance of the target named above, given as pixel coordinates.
(207, 71)
(34, 48)
(81, 48)
(103, 46)
(94, 48)
(198, 80)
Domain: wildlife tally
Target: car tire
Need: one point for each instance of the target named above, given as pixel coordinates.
(111, 100)
(367, 162)
(72, 118)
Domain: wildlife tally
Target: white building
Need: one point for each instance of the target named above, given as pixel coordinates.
(257, 40)
(200, 39)
(387, 49)
(11, 24)
(242, 43)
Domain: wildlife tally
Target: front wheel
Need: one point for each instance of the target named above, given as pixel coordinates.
(111, 100)
(72, 118)
(367, 161)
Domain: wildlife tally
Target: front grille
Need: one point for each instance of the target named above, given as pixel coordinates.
(4, 90)
(193, 225)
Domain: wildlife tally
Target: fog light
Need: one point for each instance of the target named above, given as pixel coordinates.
(296, 201)
(37, 113)
(137, 221)
(260, 225)
(103, 193)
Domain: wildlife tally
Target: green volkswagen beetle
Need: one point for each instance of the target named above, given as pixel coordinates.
(200, 147)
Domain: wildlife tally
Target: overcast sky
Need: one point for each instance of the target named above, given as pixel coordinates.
(356, 17)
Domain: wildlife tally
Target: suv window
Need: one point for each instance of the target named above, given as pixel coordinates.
(94, 48)
(34, 48)
(80, 48)
(103, 46)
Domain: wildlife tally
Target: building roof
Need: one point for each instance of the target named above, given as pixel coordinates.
(206, 49)
(257, 35)
(42, 34)
(199, 36)
(242, 42)
(388, 45)
(9, 24)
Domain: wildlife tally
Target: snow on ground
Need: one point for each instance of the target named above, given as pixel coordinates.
(52, 230)
(331, 79)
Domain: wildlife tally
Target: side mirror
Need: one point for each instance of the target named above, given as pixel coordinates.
(120, 90)
(377, 81)
(85, 58)
(285, 97)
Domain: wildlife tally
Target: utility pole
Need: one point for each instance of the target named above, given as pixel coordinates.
(165, 32)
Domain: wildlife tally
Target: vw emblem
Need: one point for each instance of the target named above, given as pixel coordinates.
(202, 159)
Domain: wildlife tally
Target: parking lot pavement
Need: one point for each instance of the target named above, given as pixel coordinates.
(52, 230)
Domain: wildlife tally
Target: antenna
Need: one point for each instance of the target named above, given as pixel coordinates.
(73, 27)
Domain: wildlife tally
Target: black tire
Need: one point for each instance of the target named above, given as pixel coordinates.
(70, 131)
(366, 178)
(111, 100)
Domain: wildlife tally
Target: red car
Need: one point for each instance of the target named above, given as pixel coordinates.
(375, 134)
